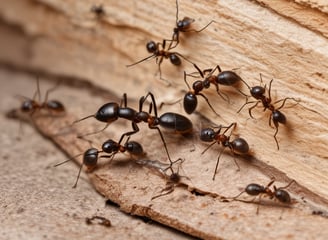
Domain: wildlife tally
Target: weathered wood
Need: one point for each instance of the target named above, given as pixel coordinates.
(288, 44)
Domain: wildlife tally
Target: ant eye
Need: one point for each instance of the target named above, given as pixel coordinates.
(151, 47)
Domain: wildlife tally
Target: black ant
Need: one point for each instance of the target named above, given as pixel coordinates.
(98, 10)
(227, 78)
(258, 92)
(237, 146)
(280, 194)
(32, 105)
(183, 26)
(158, 51)
(110, 112)
(172, 180)
(91, 156)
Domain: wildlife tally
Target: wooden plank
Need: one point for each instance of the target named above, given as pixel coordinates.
(66, 39)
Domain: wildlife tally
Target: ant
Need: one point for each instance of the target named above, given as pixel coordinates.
(237, 146)
(172, 180)
(31, 105)
(279, 194)
(227, 78)
(101, 221)
(98, 10)
(90, 156)
(183, 26)
(110, 112)
(158, 51)
(258, 92)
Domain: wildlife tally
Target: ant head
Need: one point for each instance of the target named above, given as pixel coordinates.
(282, 195)
(240, 146)
(151, 47)
(175, 178)
(110, 146)
(28, 105)
(134, 147)
(278, 117)
(207, 134)
(257, 92)
(175, 60)
(254, 189)
(90, 157)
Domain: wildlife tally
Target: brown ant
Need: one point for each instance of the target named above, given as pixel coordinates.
(227, 78)
(110, 112)
(102, 221)
(237, 146)
(258, 92)
(183, 26)
(90, 156)
(279, 194)
(31, 106)
(172, 180)
(158, 51)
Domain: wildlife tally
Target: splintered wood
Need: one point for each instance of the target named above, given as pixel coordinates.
(197, 205)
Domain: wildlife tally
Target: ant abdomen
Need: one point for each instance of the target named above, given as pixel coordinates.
(228, 78)
(279, 117)
(107, 112)
(239, 146)
(282, 196)
(175, 60)
(176, 122)
(254, 189)
(134, 148)
(190, 102)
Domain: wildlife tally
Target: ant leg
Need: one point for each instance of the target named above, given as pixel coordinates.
(185, 79)
(169, 189)
(217, 164)
(209, 104)
(50, 90)
(251, 108)
(203, 28)
(284, 101)
(37, 92)
(227, 128)
(270, 88)
(275, 134)
(92, 133)
(245, 102)
(78, 176)
(224, 96)
(124, 100)
(153, 102)
(199, 71)
(142, 60)
(209, 146)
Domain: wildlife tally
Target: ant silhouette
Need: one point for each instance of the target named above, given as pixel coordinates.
(98, 10)
(91, 156)
(279, 194)
(276, 116)
(172, 180)
(31, 106)
(183, 25)
(237, 146)
(227, 78)
(110, 112)
(159, 52)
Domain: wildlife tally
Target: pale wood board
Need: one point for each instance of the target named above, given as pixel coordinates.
(64, 38)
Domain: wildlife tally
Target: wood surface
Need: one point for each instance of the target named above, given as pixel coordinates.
(282, 40)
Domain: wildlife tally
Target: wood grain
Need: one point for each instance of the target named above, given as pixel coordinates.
(286, 41)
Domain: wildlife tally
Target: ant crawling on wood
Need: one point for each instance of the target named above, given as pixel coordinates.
(172, 180)
(98, 10)
(227, 78)
(158, 51)
(110, 112)
(183, 26)
(236, 146)
(91, 156)
(258, 92)
(279, 194)
(31, 106)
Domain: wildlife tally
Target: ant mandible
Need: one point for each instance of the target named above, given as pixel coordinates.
(110, 112)
(183, 26)
(276, 116)
(280, 194)
(32, 105)
(227, 78)
(237, 146)
(91, 156)
(158, 51)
